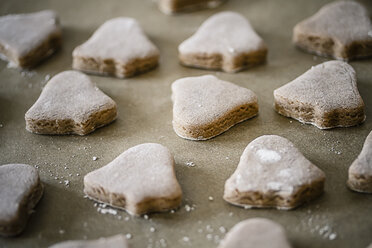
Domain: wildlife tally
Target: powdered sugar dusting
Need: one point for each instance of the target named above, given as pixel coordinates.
(268, 156)
(276, 186)
(286, 173)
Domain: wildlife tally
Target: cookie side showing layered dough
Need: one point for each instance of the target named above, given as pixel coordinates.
(27, 39)
(205, 106)
(272, 173)
(175, 6)
(360, 171)
(118, 48)
(325, 96)
(20, 191)
(226, 41)
(117, 241)
(70, 104)
(141, 180)
(257, 233)
(341, 29)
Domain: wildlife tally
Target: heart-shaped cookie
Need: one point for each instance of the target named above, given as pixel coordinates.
(70, 103)
(117, 241)
(256, 233)
(325, 96)
(119, 48)
(341, 29)
(206, 106)
(26, 39)
(174, 6)
(272, 172)
(20, 191)
(226, 41)
(140, 180)
(360, 171)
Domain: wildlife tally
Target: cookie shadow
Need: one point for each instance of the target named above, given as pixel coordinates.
(61, 60)
(57, 211)
(5, 114)
(365, 91)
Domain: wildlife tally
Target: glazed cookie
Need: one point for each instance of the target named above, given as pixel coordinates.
(360, 171)
(272, 173)
(26, 39)
(206, 106)
(256, 233)
(118, 48)
(226, 41)
(70, 103)
(174, 6)
(325, 96)
(341, 29)
(140, 180)
(118, 241)
(20, 191)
